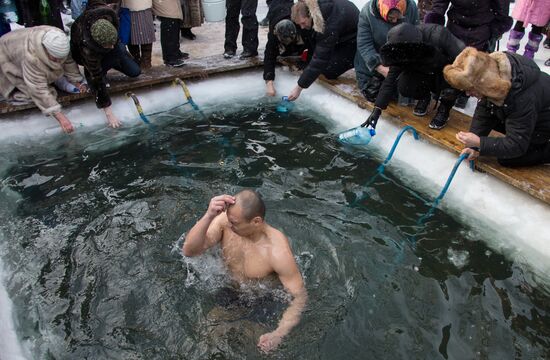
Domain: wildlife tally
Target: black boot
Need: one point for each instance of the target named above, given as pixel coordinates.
(186, 33)
(442, 116)
(461, 101)
(421, 107)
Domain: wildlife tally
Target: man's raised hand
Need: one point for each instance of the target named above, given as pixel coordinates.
(219, 204)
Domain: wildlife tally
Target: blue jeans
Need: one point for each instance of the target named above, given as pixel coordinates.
(119, 59)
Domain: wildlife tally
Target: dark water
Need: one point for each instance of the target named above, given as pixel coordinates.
(89, 236)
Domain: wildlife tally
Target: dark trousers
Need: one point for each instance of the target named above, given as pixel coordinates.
(419, 86)
(341, 60)
(119, 59)
(170, 39)
(250, 25)
(29, 13)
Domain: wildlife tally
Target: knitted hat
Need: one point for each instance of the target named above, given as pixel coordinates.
(489, 74)
(57, 43)
(386, 5)
(104, 33)
(285, 30)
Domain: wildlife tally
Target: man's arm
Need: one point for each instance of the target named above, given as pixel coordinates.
(289, 275)
(208, 230)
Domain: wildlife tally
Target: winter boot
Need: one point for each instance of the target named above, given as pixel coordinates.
(134, 51)
(421, 107)
(146, 50)
(514, 39)
(442, 116)
(532, 45)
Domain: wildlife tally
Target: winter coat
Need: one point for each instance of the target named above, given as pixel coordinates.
(280, 10)
(524, 117)
(334, 23)
(535, 12)
(372, 31)
(26, 68)
(168, 9)
(474, 22)
(87, 52)
(425, 51)
(137, 5)
(193, 14)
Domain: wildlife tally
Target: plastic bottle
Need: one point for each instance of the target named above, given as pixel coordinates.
(285, 105)
(45, 12)
(357, 136)
(9, 11)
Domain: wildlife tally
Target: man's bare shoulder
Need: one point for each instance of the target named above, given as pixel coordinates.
(280, 244)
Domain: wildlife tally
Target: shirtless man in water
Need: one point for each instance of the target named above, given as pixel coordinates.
(251, 249)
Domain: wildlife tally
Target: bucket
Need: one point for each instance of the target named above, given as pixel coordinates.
(214, 10)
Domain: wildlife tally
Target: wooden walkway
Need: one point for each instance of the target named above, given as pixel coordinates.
(194, 68)
(534, 180)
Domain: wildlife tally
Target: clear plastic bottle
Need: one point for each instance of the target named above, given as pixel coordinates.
(357, 136)
(285, 105)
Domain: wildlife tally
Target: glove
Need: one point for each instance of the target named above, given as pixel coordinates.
(373, 118)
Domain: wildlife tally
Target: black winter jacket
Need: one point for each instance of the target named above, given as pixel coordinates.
(87, 52)
(280, 10)
(524, 117)
(474, 22)
(340, 20)
(424, 48)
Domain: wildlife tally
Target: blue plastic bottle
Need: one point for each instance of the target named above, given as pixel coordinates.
(285, 105)
(357, 136)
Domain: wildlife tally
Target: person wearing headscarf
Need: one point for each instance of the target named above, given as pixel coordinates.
(334, 38)
(416, 56)
(283, 39)
(375, 20)
(514, 99)
(31, 60)
(95, 45)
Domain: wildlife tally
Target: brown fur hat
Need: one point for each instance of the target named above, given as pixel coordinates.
(489, 74)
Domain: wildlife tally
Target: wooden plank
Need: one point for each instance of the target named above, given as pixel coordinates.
(533, 180)
(195, 68)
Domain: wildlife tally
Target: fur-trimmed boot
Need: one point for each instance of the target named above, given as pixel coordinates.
(532, 45)
(146, 50)
(514, 39)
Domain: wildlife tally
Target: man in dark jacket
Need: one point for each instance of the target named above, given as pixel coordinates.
(416, 56)
(514, 100)
(283, 39)
(334, 39)
(95, 45)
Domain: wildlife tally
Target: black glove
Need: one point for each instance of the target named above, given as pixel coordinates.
(373, 118)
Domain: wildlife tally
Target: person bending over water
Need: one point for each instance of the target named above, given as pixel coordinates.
(252, 250)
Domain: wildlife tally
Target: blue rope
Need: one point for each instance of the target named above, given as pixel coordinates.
(395, 143)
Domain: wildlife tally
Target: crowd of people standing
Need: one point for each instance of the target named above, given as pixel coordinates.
(400, 51)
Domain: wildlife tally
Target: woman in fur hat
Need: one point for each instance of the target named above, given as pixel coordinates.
(514, 100)
(334, 39)
(31, 59)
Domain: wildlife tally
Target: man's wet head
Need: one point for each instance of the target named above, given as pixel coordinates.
(247, 215)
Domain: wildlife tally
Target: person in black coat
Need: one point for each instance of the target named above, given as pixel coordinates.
(334, 39)
(95, 45)
(416, 56)
(283, 39)
(514, 100)
(477, 23)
